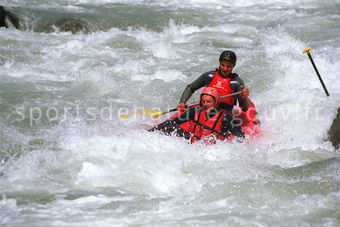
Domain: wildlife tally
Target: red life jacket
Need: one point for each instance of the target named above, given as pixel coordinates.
(223, 86)
(202, 127)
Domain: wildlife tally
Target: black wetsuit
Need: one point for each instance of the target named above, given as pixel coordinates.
(229, 126)
(206, 78)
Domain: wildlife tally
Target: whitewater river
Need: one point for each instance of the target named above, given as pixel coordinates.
(67, 159)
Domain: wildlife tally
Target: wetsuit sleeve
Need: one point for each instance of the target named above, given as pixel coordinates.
(230, 125)
(235, 84)
(201, 81)
(172, 125)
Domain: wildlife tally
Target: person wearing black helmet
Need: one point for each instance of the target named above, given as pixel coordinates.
(223, 80)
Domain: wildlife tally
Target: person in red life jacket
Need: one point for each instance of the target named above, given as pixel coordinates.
(205, 121)
(224, 81)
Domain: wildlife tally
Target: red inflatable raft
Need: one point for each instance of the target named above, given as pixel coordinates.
(248, 120)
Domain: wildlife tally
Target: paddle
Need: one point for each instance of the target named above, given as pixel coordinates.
(316, 70)
(155, 114)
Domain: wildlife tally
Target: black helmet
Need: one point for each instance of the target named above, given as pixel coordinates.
(229, 56)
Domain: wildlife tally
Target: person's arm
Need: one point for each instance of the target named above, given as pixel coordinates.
(172, 125)
(201, 81)
(237, 84)
(230, 125)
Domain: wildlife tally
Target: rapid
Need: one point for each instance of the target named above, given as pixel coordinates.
(67, 159)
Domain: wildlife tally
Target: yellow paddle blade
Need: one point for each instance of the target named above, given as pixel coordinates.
(156, 114)
(307, 50)
(148, 112)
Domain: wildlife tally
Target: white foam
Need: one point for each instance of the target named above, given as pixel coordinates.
(165, 75)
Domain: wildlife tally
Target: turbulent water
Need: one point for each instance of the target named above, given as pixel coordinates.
(67, 159)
